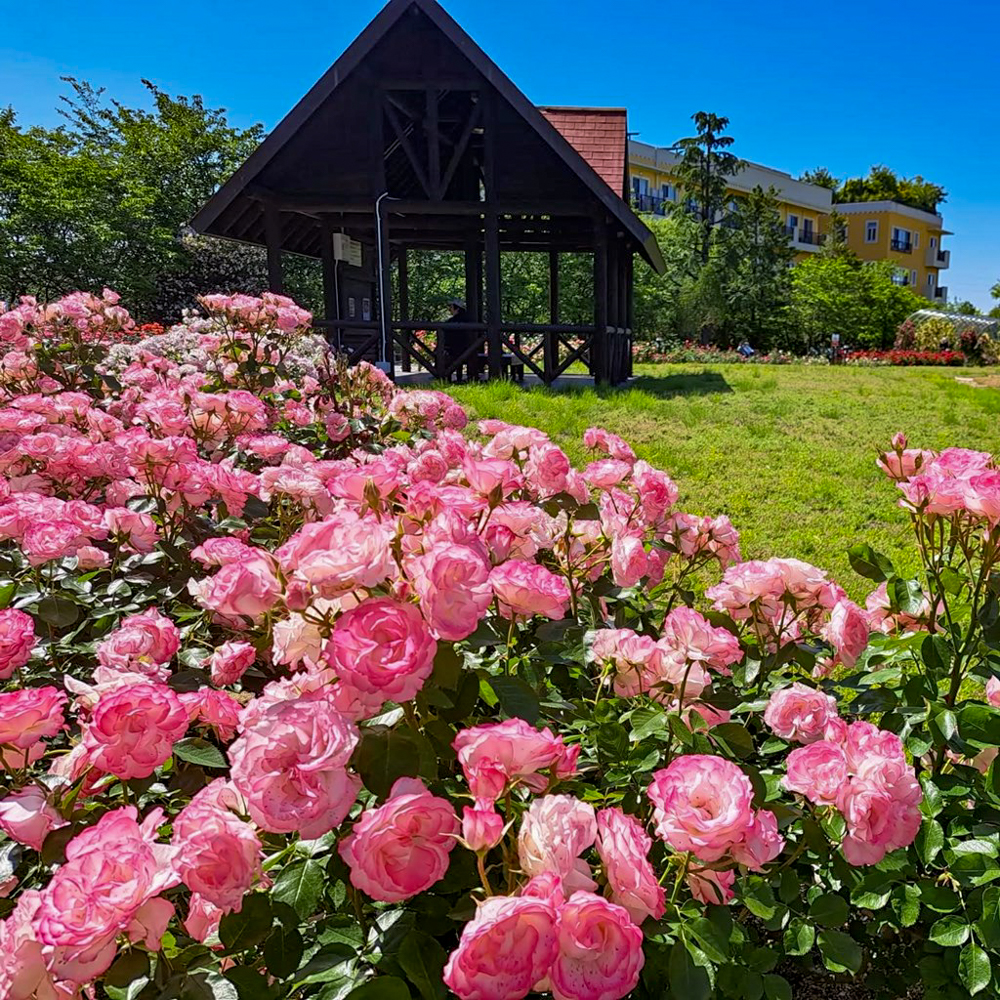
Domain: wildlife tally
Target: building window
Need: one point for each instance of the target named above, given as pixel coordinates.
(871, 231)
(902, 240)
(930, 280)
(640, 185)
(933, 242)
(913, 278)
(916, 240)
(668, 192)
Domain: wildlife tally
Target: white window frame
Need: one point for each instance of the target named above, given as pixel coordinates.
(930, 279)
(916, 240)
(871, 231)
(913, 277)
(934, 243)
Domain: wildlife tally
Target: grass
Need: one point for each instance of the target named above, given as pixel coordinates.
(787, 452)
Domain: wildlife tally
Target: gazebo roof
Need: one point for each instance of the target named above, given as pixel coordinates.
(556, 162)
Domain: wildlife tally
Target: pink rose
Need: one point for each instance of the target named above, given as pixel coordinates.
(800, 714)
(761, 842)
(504, 950)
(481, 828)
(133, 729)
(496, 755)
(203, 918)
(599, 950)
(993, 692)
(623, 845)
(701, 804)
(247, 589)
(31, 714)
(628, 560)
(606, 473)
(524, 588)
(215, 710)
(555, 831)
(401, 848)
(113, 869)
(697, 640)
(291, 767)
(139, 642)
(17, 638)
(383, 647)
(27, 817)
(218, 855)
(547, 468)
(710, 886)
(47, 540)
(877, 823)
(817, 771)
(847, 631)
(452, 582)
(230, 662)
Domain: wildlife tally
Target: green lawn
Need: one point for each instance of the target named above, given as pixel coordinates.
(787, 452)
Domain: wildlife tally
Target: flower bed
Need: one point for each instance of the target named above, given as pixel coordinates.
(901, 357)
(308, 693)
(690, 352)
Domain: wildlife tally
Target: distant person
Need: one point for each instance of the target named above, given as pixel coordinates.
(745, 350)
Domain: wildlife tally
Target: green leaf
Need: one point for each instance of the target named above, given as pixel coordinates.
(127, 968)
(385, 755)
(777, 988)
(243, 930)
(517, 698)
(950, 931)
(57, 611)
(929, 840)
(988, 924)
(788, 888)
(300, 886)
(799, 937)
(423, 959)
(830, 910)
(249, 983)
(195, 750)
(612, 741)
(841, 953)
(760, 901)
(868, 563)
(906, 904)
(283, 951)
(646, 721)
(906, 595)
(381, 988)
(974, 968)
(709, 938)
(979, 725)
(687, 980)
(736, 737)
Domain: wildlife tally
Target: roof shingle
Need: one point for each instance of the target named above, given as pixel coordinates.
(600, 136)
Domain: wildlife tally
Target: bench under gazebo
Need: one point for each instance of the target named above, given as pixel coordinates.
(414, 140)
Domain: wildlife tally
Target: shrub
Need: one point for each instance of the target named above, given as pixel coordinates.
(935, 334)
(872, 358)
(308, 694)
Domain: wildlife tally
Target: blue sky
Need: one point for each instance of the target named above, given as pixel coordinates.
(913, 86)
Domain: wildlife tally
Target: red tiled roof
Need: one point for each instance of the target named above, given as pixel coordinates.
(599, 135)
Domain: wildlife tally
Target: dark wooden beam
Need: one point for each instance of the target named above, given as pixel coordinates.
(385, 291)
(411, 154)
(272, 234)
(493, 309)
(433, 144)
(598, 354)
(550, 356)
(403, 269)
(460, 148)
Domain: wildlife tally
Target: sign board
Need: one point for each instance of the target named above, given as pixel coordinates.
(346, 249)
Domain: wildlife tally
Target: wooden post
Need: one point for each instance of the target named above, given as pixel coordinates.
(630, 310)
(403, 265)
(272, 236)
(494, 352)
(598, 352)
(550, 347)
(386, 352)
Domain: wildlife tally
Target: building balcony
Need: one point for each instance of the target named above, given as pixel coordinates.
(941, 292)
(650, 203)
(804, 239)
(938, 258)
(900, 246)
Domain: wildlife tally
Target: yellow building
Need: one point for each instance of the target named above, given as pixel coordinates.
(804, 207)
(876, 230)
(909, 237)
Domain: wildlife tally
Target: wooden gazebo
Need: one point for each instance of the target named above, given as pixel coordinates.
(414, 139)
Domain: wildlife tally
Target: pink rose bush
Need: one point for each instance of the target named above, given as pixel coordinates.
(304, 680)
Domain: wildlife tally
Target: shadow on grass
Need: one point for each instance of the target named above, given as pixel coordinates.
(695, 384)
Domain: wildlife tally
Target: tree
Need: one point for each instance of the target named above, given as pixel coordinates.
(860, 301)
(102, 199)
(821, 177)
(702, 173)
(757, 284)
